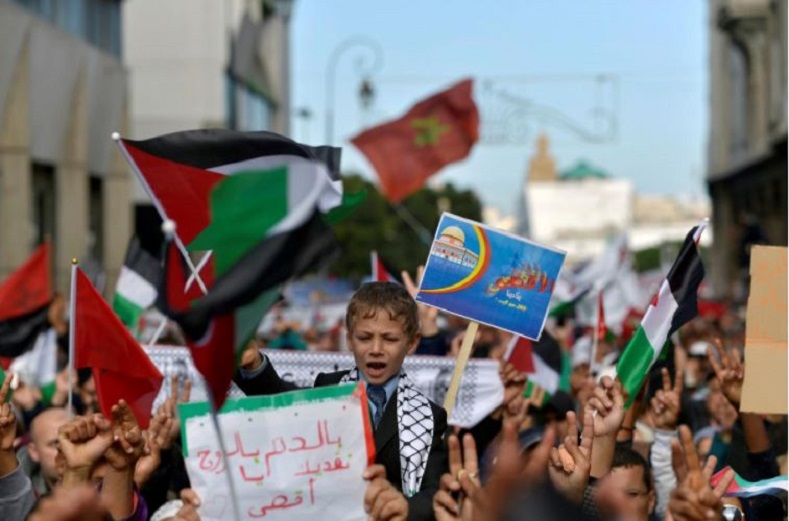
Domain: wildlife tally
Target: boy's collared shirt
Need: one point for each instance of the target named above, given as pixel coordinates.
(390, 386)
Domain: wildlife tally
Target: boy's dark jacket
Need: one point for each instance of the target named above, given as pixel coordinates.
(387, 443)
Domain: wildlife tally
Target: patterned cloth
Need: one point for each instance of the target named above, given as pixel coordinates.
(377, 395)
(414, 429)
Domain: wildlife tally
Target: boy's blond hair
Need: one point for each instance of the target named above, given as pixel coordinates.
(388, 296)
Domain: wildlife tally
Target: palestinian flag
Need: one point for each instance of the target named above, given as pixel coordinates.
(38, 366)
(381, 272)
(672, 307)
(24, 303)
(740, 487)
(120, 366)
(266, 229)
(180, 170)
(546, 367)
(137, 285)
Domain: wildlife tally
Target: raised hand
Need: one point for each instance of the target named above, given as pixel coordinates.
(428, 315)
(571, 463)
(514, 383)
(463, 477)
(666, 404)
(382, 502)
(188, 512)
(129, 444)
(608, 404)
(170, 410)
(82, 442)
(729, 372)
(154, 437)
(694, 499)
(7, 417)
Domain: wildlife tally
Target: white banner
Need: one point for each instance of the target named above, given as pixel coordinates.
(481, 390)
(291, 456)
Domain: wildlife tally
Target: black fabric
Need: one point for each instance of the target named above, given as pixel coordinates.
(270, 263)
(142, 262)
(211, 148)
(684, 279)
(387, 446)
(17, 335)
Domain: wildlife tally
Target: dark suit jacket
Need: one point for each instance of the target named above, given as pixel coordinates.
(387, 443)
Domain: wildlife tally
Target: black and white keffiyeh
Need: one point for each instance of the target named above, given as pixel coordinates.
(414, 428)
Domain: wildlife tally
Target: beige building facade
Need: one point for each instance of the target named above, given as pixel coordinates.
(747, 163)
(63, 91)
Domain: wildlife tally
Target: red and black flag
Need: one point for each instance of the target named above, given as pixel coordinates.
(24, 303)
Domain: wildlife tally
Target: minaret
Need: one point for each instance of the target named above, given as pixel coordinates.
(542, 166)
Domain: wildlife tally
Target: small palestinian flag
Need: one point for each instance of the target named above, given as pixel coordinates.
(180, 170)
(38, 366)
(381, 272)
(24, 304)
(266, 229)
(740, 487)
(672, 307)
(137, 285)
(542, 361)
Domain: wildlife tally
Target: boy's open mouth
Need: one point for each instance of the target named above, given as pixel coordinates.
(376, 368)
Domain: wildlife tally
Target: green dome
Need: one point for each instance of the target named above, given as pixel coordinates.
(583, 170)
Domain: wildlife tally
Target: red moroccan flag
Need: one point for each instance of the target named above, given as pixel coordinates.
(435, 133)
(120, 366)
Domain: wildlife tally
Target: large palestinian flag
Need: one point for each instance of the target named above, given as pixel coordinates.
(267, 227)
(672, 307)
(180, 170)
(24, 304)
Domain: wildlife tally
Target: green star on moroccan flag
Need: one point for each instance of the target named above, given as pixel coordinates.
(428, 131)
(433, 134)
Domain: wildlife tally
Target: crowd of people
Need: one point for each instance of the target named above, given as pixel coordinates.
(586, 450)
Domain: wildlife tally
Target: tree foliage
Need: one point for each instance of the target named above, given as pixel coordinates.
(376, 225)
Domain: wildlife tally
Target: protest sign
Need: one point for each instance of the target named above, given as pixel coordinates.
(764, 385)
(489, 276)
(296, 455)
(480, 393)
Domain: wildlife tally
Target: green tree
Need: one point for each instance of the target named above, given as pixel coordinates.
(376, 225)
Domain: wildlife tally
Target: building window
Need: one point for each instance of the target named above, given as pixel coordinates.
(43, 203)
(738, 72)
(96, 21)
(246, 108)
(96, 220)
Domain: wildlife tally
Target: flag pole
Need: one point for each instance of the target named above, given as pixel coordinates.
(225, 461)
(168, 228)
(129, 159)
(593, 360)
(72, 319)
(460, 367)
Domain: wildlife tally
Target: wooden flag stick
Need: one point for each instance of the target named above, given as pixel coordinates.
(460, 367)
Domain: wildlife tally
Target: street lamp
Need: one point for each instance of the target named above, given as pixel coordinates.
(363, 68)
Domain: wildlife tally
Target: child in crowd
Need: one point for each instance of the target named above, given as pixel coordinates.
(382, 325)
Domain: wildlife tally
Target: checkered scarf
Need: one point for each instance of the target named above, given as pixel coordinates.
(414, 429)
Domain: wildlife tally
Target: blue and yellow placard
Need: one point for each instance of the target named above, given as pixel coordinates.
(490, 276)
